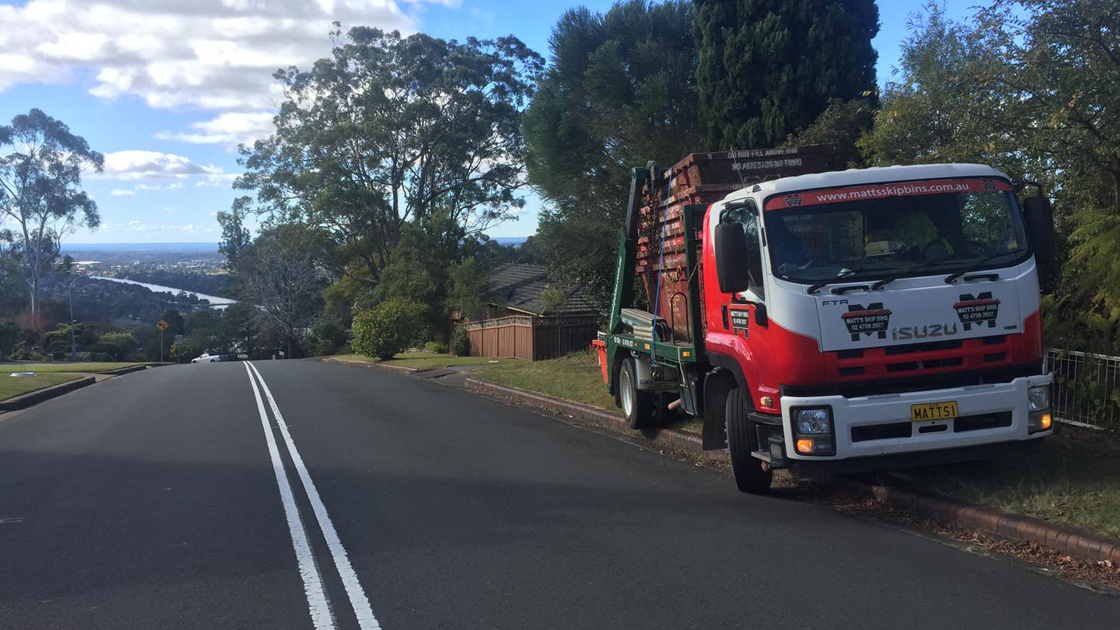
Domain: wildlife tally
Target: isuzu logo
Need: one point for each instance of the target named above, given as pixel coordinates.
(922, 332)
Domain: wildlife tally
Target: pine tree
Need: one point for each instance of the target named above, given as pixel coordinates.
(769, 68)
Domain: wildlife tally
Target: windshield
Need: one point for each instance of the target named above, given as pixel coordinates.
(868, 232)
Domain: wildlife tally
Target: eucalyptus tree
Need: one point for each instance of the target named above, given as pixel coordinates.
(40, 191)
(390, 130)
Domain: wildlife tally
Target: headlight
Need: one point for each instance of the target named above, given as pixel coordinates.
(812, 428)
(813, 421)
(1038, 398)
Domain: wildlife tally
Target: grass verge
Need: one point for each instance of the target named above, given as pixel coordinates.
(54, 368)
(11, 386)
(575, 377)
(1073, 480)
(426, 360)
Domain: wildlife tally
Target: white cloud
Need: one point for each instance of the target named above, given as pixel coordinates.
(212, 54)
(120, 192)
(175, 186)
(230, 128)
(126, 165)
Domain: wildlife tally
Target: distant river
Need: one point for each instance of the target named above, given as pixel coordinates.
(215, 301)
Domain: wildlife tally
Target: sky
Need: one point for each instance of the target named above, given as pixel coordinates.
(166, 89)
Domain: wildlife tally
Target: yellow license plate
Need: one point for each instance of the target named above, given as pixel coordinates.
(934, 411)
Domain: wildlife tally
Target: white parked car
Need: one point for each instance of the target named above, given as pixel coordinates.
(207, 358)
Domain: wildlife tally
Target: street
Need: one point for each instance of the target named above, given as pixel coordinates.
(179, 498)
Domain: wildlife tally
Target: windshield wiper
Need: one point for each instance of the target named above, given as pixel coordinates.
(951, 278)
(843, 276)
(907, 272)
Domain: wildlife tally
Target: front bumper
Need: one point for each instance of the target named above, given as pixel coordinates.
(870, 426)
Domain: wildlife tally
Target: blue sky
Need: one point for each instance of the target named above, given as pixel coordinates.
(166, 88)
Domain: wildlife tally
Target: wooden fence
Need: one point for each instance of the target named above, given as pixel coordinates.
(530, 338)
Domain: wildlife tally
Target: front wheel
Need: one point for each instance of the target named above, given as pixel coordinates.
(742, 440)
(636, 405)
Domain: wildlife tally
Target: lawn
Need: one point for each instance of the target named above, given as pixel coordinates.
(574, 377)
(41, 368)
(14, 386)
(1075, 479)
(425, 360)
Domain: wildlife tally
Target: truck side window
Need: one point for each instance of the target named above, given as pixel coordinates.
(754, 245)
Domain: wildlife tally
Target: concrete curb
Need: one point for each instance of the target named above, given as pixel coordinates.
(1002, 524)
(32, 398)
(399, 369)
(667, 437)
(124, 370)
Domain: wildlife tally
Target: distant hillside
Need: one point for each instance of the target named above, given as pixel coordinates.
(515, 241)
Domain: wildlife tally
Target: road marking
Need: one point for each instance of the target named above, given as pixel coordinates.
(354, 591)
(312, 582)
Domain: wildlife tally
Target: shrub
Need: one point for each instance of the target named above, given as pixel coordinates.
(324, 348)
(461, 342)
(435, 347)
(387, 328)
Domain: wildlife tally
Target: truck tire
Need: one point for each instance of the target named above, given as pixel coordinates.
(750, 475)
(636, 405)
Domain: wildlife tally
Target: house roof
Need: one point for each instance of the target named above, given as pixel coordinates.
(520, 287)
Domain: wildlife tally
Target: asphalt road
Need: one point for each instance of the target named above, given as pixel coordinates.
(152, 501)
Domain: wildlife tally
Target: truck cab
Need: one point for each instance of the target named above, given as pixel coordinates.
(860, 320)
(901, 314)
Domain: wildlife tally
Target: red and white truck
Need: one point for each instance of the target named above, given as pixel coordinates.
(832, 321)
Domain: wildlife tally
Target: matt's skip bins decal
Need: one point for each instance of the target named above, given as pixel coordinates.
(978, 309)
(872, 319)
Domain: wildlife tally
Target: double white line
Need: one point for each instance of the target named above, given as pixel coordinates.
(312, 581)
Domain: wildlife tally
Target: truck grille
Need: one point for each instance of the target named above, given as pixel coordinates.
(920, 358)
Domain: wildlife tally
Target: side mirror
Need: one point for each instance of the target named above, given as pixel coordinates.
(1040, 224)
(732, 257)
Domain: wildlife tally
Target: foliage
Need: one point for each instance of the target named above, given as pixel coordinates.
(468, 284)
(9, 334)
(842, 123)
(235, 236)
(619, 92)
(387, 328)
(768, 68)
(460, 342)
(552, 300)
(119, 345)
(40, 179)
(435, 347)
(277, 274)
(1028, 86)
(392, 130)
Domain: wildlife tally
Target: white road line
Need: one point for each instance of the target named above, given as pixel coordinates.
(312, 583)
(354, 591)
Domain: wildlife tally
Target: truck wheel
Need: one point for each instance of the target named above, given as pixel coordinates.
(750, 476)
(636, 405)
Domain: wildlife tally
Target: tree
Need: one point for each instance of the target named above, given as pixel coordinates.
(235, 236)
(392, 130)
(468, 284)
(1030, 87)
(768, 68)
(39, 190)
(278, 275)
(619, 92)
(925, 113)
